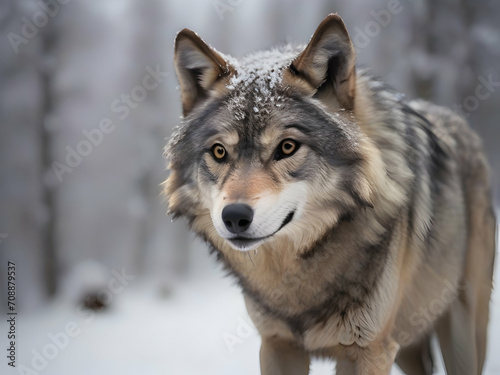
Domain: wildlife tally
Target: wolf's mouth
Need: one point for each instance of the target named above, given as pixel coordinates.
(247, 243)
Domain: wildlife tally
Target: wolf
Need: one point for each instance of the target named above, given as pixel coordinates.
(358, 223)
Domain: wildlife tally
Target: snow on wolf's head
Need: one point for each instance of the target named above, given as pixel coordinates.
(268, 149)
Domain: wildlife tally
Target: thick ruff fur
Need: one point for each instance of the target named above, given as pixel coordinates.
(371, 225)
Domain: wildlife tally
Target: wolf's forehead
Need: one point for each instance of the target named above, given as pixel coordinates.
(254, 87)
(262, 68)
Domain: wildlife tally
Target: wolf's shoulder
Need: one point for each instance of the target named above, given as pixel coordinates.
(451, 127)
(460, 140)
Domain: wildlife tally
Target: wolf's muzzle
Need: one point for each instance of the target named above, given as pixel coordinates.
(237, 217)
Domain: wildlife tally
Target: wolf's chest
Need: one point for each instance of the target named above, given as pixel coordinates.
(318, 323)
(324, 315)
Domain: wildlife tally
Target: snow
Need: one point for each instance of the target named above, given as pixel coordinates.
(263, 68)
(181, 332)
(257, 78)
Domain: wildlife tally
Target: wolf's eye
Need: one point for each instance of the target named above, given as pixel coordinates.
(219, 152)
(287, 148)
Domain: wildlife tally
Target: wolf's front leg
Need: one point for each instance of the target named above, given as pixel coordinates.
(376, 359)
(280, 357)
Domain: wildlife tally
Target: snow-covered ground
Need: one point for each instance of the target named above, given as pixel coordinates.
(201, 327)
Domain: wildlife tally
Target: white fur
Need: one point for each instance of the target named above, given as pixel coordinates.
(270, 210)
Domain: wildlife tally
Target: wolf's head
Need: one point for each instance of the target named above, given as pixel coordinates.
(269, 147)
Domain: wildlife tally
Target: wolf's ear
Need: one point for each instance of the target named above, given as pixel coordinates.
(198, 67)
(327, 63)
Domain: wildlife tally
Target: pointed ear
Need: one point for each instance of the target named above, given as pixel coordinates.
(198, 67)
(327, 63)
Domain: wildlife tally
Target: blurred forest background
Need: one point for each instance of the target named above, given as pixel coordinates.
(82, 127)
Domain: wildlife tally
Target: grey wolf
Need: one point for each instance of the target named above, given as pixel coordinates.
(358, 223)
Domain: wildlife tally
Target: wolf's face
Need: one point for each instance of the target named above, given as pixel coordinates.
(259, 155)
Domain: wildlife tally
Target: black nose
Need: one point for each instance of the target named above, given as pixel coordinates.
(237, 217)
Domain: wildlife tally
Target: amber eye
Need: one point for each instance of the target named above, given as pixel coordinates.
(219, 152)
(286, 148)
